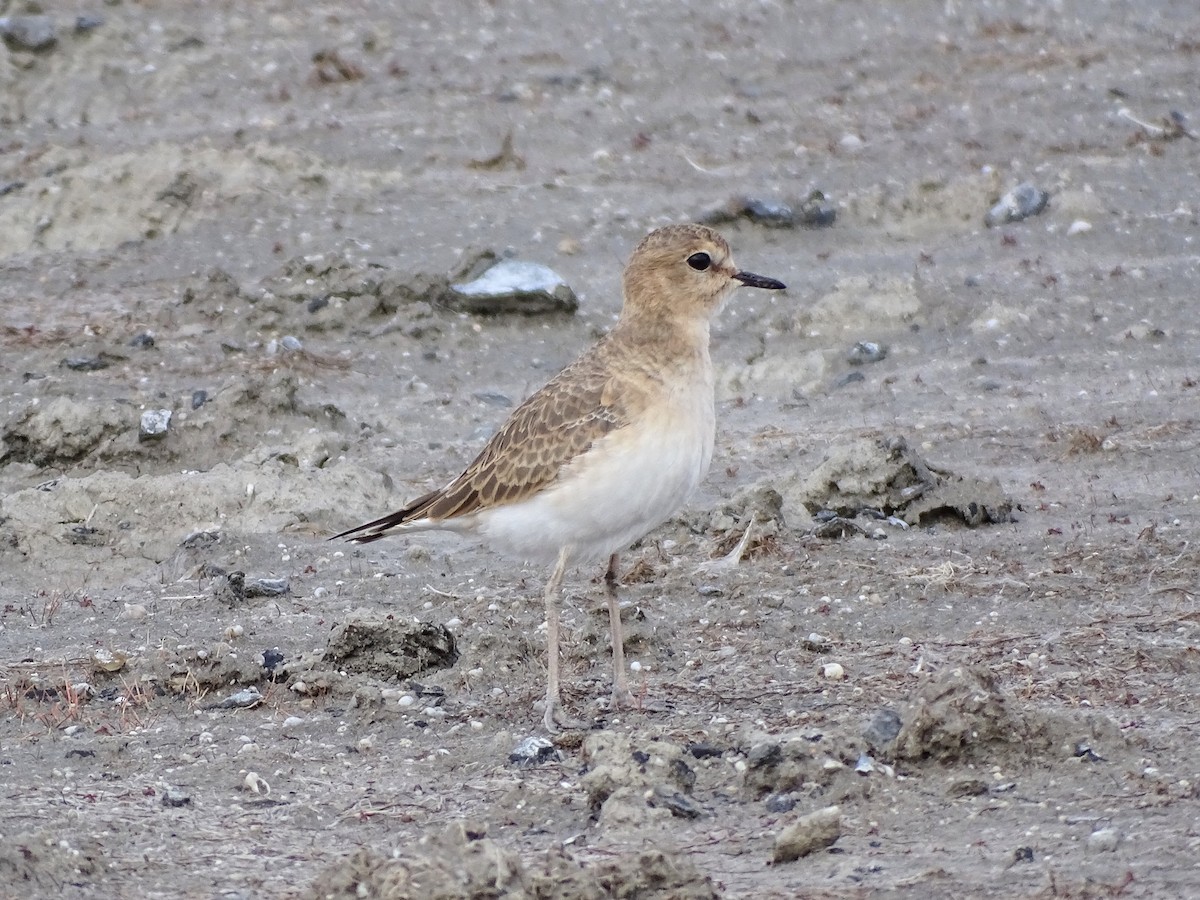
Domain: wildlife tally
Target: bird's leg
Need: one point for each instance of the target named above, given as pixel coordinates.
(555, 717)
(620, 689)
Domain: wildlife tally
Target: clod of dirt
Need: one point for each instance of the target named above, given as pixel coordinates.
(760, 504)
(637, 785)
(459, 863)
(332, 292)
(788, 763)
(213, 668)
(961, 714)
(888, 475)
(59, 432)
(211, 293)
(389, 649)
(462, 863)
(49, 861)
(809, 833)
(651, 874)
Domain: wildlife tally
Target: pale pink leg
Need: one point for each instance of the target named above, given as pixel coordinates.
(621, 695)
(554, 717)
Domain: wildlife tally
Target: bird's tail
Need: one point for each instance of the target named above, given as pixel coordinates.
(381, 528)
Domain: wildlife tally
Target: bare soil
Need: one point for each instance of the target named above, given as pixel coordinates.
(242, 213)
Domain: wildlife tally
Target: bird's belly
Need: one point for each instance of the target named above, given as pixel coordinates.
(627, 484)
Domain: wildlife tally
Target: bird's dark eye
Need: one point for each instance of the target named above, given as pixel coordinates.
(699, 261)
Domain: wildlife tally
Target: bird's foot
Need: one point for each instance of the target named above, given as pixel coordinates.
(556, 719)
(622, 697)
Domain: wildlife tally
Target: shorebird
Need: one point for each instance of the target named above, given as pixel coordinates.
(610, 448)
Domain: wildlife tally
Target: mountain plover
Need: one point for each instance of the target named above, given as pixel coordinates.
(609, 448)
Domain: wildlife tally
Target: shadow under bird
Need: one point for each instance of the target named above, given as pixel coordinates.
(610, 448)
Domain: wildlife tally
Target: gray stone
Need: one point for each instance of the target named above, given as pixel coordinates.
(35, 33)
(1021, 202)
(882, 729)
(1103, 840)
(155, 424)
(513, 286)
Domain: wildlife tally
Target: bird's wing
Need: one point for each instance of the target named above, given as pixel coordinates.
(546, 432)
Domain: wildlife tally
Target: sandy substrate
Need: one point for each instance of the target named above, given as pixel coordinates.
(248, 219)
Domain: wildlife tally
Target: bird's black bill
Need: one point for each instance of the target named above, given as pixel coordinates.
(749, 279)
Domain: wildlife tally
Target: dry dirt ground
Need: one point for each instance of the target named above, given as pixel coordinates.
(202, 697)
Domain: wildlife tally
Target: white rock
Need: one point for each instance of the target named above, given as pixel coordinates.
(256, 783)
(1104, 840)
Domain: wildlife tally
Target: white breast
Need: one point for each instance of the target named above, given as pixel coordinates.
(628, 483)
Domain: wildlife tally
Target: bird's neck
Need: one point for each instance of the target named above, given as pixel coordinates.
(669, 351)
(668, 335)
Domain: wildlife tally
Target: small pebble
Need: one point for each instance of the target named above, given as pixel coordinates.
(85, 23)
(154, 424)
(1021, 202)
(493, 398)
(534, 751)
(174, 797)
(85, 363)
(246, 698)
(781, 803)
(256, 783)
(866, 352)
(1079, 226)
(106, 660)
(883, 729)
(135, 612)
(34, 33)
(851, 143)
(833, 671)
(1104, 840)
(266, 587)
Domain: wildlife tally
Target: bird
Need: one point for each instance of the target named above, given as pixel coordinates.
(609, 448)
